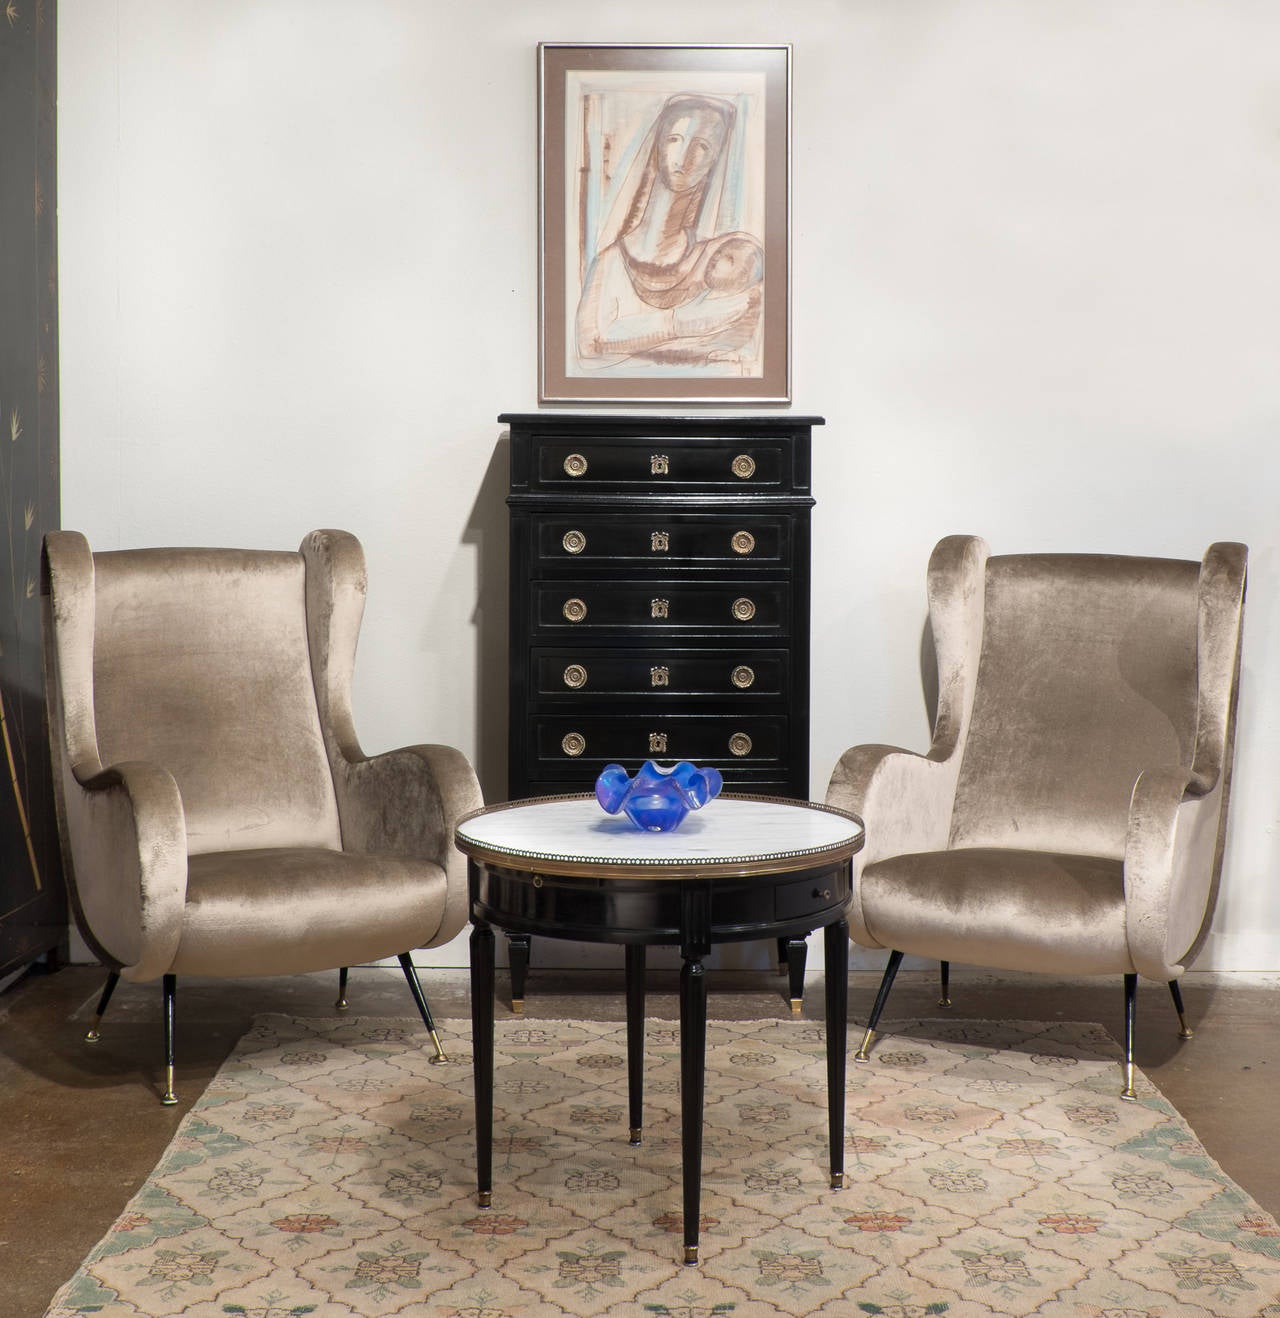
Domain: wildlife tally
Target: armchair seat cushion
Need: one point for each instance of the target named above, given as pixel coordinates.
(290, 910)
(1012, 910)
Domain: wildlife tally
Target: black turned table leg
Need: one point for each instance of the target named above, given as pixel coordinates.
(482, 980)
(837, 977)
(518, 963)
(635, 1038)
(693, 1061)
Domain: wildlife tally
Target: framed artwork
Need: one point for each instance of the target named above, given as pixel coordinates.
(664, 223)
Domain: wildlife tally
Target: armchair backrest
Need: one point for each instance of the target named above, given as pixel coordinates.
(197, 660)
(1089, 673)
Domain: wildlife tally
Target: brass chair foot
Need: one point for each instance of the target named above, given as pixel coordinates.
(93, 1036)
(439, 1057)
(484, 1199)
(944, 1002)
(797, 1006)
(635, 1135)
(168, 1098)
(1128, 1093)
(1185, 1031)
(340, 1005)
(690, 1254)
(863, 1053)
(517, 1006)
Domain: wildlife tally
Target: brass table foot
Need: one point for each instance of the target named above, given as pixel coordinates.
(517, 1006)
(635, 1135)
(797, 1005)
(690, 1253)
(484, 1198)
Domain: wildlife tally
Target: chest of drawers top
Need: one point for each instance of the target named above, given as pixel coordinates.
(702, 460)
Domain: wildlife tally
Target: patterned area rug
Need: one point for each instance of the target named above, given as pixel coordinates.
(992, 1170)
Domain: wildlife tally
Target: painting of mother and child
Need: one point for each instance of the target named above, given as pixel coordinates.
(668, 249)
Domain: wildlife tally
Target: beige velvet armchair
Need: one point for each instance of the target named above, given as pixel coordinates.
(1070, 814)
(217, 814)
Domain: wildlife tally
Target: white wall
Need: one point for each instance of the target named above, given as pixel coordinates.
(1036, 296)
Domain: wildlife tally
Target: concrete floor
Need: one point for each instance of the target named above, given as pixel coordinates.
(81, 1126)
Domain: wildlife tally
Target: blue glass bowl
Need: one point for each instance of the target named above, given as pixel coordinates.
(657, 799)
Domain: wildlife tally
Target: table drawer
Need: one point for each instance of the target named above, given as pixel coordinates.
(810, 896)
(662, 538)
(588, 675)
(662, 605)
(582, 745)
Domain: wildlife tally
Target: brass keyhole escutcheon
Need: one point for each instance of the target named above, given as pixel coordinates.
(744, 466)
(657, 743)
(575, 465)
(659, 608)
(743, 542)
(659, 465)
(659, 675)
(743, 609)
(659, 542)
(574, 542)
(573, 743)
(575, 676)
(574, 610)
(740, 744)
(742, 676)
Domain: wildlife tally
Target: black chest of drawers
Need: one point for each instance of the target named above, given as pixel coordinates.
(659, 598)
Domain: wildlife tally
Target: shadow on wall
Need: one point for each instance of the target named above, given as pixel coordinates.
(487, 531)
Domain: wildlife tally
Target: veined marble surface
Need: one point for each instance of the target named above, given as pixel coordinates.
(726, 830)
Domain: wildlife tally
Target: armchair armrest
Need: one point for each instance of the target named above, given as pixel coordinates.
(1171, 868)
(408, 802)
(128, 864)
(905, 800)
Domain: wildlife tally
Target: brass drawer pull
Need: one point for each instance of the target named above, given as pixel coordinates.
(657, 743)
(575, 610)
(575, 465)
(743, 609)
(744, 466)
(573, 743)
(743, 542)
(740, 744)
(575, 676)
(574, 542)
(742, 676)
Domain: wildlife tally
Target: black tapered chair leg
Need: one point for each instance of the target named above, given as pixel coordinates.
(1128, 1093)
(1184, 1030)
(890, 971)
(944, 974)
(113, 978)
(343, 972)
(170, 982)
(415, 987)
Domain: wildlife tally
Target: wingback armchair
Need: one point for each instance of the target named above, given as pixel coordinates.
(1070, 814)
(217, 814)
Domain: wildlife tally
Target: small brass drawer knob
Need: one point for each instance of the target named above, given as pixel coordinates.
(575, 465)
(573, 743)
(574, 542)
(575, 676)
(575, 610)
(744, 466)
(740, 744)
(742, 676)
(743, 609)
(743, 542)
(822, 894)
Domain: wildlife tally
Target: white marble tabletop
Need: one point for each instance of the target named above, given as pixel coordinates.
(728, 835)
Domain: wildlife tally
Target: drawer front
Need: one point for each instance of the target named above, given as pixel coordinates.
(580, 747)
(685, 540)
(662, 605)
(590, 675)
(811, 896)
(661, 465)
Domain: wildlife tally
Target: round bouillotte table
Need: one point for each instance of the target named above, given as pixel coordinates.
(742, 868)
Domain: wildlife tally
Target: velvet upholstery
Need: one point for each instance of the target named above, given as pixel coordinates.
(1070, 814)
(218, 815)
